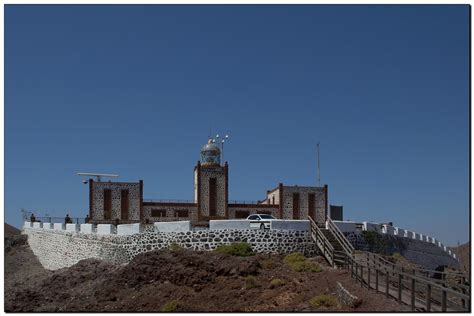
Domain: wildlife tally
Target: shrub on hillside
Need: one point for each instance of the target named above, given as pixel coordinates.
(397, 256)
(171, 306)
(298, 262)
(241, 249)
(250, 282)
(269, 263)
(175, 247)
(323, 301)
(277, 282)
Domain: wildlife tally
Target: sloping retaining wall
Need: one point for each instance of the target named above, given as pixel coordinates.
(428, 255)
(357, 228)
(58, 249)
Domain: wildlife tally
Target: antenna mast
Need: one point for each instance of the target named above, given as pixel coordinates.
(319, 170)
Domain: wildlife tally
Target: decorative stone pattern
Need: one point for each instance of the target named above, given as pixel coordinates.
(171, 212)
(60, 249)
(425, 254)
(320, 202)
(116, 187)
(345, 297)
(219, 174)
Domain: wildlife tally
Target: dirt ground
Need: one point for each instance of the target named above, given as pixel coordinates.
(180, 280)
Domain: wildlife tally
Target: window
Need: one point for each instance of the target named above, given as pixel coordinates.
(181, 213)
(158, 213)
(107, 204)
(273, 199)
(124, 203)
(212, 196)
(254, 218)
(241, 214)
(296, 205)
(311, 204)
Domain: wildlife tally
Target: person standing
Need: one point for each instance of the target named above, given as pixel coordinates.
(67, 219)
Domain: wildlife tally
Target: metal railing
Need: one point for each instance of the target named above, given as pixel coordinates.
(168, 201)
(244, 202)
(56, 219)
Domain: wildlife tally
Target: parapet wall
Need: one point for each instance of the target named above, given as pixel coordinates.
(62, 248)
(421, 241)
(423, 253)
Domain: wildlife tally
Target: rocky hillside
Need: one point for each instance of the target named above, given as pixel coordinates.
(178, 280)
(463, 252)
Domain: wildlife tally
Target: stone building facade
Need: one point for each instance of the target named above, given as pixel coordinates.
(123, 201)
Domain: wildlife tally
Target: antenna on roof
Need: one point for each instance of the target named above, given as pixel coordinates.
(319, 170)
(97, 175)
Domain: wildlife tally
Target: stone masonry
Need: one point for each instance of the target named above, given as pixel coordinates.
(60, 249)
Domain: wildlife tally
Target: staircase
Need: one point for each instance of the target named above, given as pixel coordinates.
(331, 242)
(339, 257)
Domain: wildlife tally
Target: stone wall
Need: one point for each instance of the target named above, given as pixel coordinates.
(359, 229)
(428, 255)
(320, 202)
(219, 174)
(116, 187)
(58, 249)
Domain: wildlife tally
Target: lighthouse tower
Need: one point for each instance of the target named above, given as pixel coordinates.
(211, 184)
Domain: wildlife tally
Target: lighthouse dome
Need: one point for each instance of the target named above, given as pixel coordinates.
(210, 154)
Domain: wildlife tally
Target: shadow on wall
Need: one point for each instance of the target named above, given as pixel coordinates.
(382, 244)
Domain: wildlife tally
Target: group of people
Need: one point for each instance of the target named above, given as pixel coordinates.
(67, 219)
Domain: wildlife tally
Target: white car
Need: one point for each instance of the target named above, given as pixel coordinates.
(260, 221)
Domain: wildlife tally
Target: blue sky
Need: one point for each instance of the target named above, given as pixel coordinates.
(134, 90)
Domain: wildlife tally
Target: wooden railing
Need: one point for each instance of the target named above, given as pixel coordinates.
(407, 288)
(346, 245)
(453, 280)
(437, 276)
(322, 242)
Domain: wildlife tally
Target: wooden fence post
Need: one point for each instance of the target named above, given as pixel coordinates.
(361, 276)
(463, 301)
(443, 301)
(368, 278)
(428, 297)
(356, 271)
(387, 280)
(376, 280)
(399, 288)
(412, 294)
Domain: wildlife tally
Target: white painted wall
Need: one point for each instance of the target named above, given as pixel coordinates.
(229, 224)
(348, 226)
(129, 229)
(59, 226)
(48, 225)
(72, 227)
(177, 226)
(302, 225)
(87, 228)
(371, 227)
(105, 229)
(387, 229)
